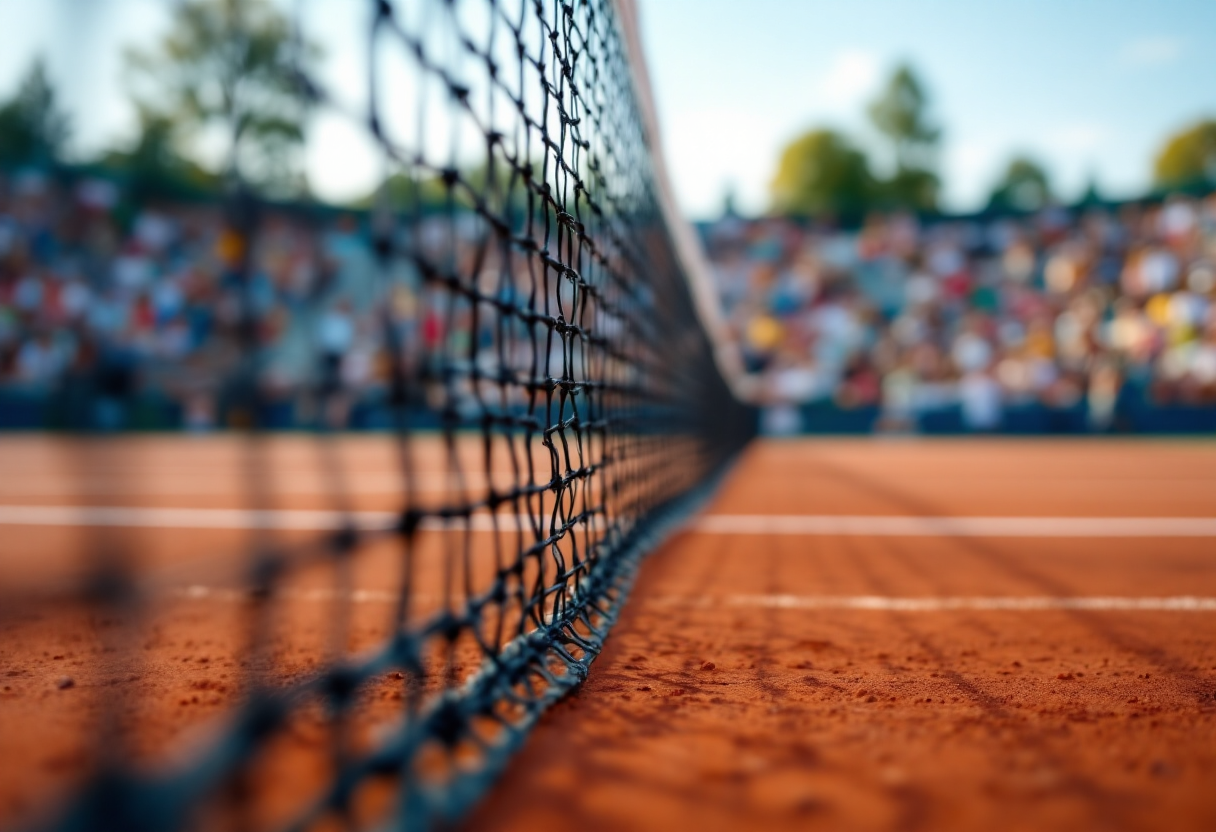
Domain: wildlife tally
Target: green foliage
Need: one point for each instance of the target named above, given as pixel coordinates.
(32, 130)
(153, 167)
(729, 203)
(1093, 194)
(822, 173)
(402, 192)
(231, 65)
(914, 189)
(1188, 157)
(1023, 187)
(429, 192)
(900, 114)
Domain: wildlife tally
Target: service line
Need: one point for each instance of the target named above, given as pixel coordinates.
(861, 525)
(870, 603)
(742, 524)
(232, 518)
(881, 603)
(856, 525)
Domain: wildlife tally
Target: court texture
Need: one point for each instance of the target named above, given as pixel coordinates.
(853, 634)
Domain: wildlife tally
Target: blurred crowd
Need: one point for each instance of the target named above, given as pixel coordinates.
(107, 301)
(104, 300)
(1072, 310)
(1076, 310)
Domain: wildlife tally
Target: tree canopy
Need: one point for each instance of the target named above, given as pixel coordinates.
(910, 188)
(231, 66)
(32, 128)
(1024, 186)
(154, 167)
(900, 113)
(822, 173)
(1188, 157)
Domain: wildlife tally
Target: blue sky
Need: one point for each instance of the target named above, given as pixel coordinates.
(1089, 87)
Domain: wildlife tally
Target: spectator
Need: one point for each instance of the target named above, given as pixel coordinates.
(1060, 309)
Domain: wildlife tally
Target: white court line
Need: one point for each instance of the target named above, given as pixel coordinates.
(228, 518)
(900, 526)
(199, 592)
(306, 483)
(743, 524)
(1181, 603)
(873, 603)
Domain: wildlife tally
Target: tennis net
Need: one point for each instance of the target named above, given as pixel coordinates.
(519, 311)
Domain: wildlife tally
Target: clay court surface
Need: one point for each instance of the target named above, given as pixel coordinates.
(855, 635)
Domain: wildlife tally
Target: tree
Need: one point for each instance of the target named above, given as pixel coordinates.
(1188, 157)
(430, 192)
(231, 65)
(1023, 187)
(1092, 196)
(900, 113)
(729, 202)
(405, 192)
(822, 173)
(913, 188)
(32, 129)
(154, 167)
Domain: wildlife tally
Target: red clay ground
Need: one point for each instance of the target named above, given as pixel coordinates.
(730, 695)
(709, 710)
(172, 672)
(175, 673)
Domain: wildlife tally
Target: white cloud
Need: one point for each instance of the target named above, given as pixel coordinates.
(969, 166)
(1155, 50)
(716, 148)
(852, 75)
(1077, 137)
(343, 161)
(974, 160)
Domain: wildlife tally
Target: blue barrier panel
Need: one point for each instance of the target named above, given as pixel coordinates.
(945, 420)
(1174, 419)
(829, 418)
(22, 410)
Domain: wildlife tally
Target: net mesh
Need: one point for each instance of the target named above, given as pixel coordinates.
(532, 336)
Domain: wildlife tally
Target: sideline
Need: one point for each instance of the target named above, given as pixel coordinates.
(883, 603)
(904, 526)
(855, 525)
(879, 603)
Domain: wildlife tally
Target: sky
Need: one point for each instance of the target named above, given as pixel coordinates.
(1090, 88)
